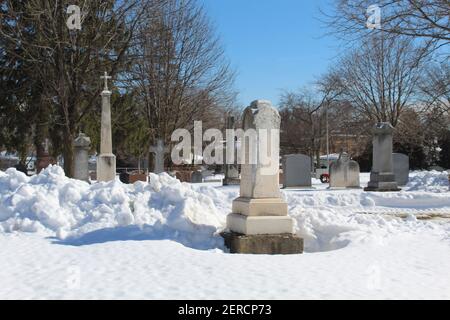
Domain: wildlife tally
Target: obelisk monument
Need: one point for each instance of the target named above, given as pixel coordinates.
(106, 161)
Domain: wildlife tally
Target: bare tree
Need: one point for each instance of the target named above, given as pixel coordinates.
(180, 73)
(380, 79)
(304, 115)
(425, 19)
(435, 88)
(64, 63)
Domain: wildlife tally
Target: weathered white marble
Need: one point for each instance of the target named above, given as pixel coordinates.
(106, 161)
(344, 173)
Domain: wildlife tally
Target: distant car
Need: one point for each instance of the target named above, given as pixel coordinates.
(323, 174)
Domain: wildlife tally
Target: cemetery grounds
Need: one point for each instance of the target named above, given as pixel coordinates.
(66, 239)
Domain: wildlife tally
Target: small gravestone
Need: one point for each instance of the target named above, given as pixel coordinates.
(82, 144)
(382, 177)
(259, 222)
(43, 159)
(297, 171)
(344, 173)
(159, 150)
(401, 168)
(197, 177)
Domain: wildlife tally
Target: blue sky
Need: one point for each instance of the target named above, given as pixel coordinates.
(273, 45)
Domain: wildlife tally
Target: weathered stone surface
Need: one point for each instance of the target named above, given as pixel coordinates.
(344, 173)
(259, 222)
(260, 207)
(382, 177)
(106, 161)
(258, 180)
(81, 145)
(282, 244)
(401, 168)
(250, 225)
(159, 150)
(106, 167)
(297, 171)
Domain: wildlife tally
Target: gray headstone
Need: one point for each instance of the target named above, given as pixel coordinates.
(401, 168)
(344, 173)
(197, 177)
(159, 150)
(82, 144)
(382, 177)
(297, 171)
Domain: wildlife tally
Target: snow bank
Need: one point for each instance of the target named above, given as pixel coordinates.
(78, 213)
(429, 181)
(75, 211)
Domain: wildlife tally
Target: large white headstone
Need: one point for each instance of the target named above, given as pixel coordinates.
(260, 208)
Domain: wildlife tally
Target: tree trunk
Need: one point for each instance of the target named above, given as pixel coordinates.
(68, 154)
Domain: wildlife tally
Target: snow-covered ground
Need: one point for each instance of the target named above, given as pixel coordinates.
(62, 239)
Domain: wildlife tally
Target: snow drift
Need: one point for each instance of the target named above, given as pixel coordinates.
(77, 212)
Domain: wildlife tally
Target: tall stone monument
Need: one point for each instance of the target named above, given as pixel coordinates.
(382, 177)
(259, 223)
(231, 170)
(344, 173)
(159, 150)
(106, 161)
(82, 144)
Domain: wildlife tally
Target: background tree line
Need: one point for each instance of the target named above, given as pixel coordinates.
(167, 63)
(398, 73)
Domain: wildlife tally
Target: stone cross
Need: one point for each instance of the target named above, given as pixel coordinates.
(106, 161)
(259, 223)
(382, 177)
(159, 150)
(106, 78)
(82, 144)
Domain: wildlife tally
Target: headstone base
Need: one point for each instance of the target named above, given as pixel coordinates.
(106, 168)
(299, 187)
(259, 225)
(344, 188)
(260, 207)
(231, 182)
(263, 244)
(382, 183)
